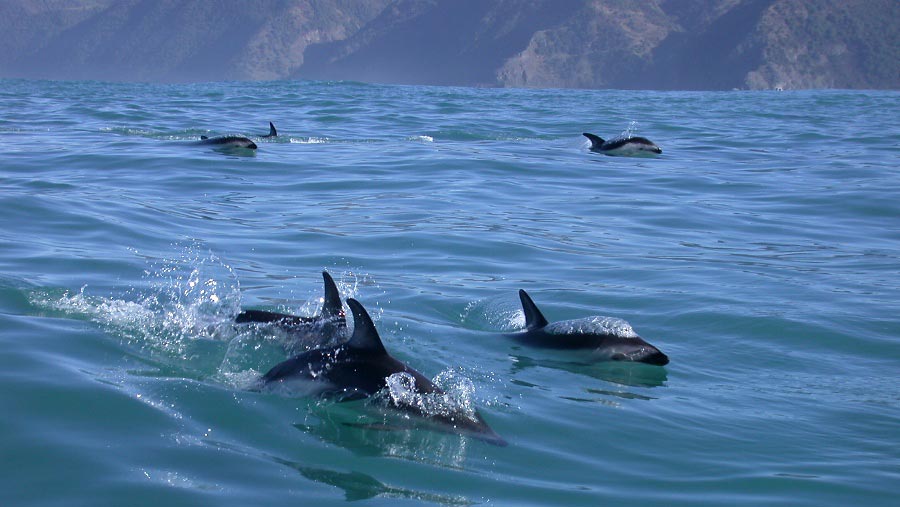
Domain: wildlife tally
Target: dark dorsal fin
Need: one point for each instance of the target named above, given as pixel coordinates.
(331, 307)
(272, 131)
(203, 138)
(596, 141)
(365, 336)
(534, 319)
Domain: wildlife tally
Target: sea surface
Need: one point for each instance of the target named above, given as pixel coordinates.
(760, 252)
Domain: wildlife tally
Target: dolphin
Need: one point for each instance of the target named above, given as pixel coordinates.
(272, 131)
(607, 338)
(307, 331)
(228, 142)
(625, 146)
(362, 368)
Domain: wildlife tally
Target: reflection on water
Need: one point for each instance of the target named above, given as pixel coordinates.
(360, 486)
(366, 429)
(356, 485)
(623, 373)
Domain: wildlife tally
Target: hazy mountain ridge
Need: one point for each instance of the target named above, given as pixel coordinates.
(661, 44)
(170, 40)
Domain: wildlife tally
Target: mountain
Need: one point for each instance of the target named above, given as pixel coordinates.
(658, 44)
(443, 42)
(170, 40)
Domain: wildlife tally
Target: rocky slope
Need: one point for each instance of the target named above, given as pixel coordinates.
(170, 40)
(661, 44)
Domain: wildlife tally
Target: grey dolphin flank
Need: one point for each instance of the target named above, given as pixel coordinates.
(607, 338)
(228, 142)
(360, 369)
(628, 146)
(272, 131)
(308, 331)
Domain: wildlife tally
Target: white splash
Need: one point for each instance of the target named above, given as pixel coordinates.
(308, 140)
(629, 132)
(189, 300)
(457, 398)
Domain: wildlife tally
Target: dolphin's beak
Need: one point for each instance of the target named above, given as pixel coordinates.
(646, 355)
(657, 358)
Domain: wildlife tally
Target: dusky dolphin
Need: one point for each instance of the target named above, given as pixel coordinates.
(624, 146)
(606, 338)
(272, 131)
(361, 368)
(308, 332)
(228, 142)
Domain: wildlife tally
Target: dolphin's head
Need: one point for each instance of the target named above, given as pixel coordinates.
(635, 350)
(644, 144)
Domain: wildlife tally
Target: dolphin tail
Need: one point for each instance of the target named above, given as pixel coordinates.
(365, 336)
(534, 319)
(332, 307)
(272, 131)
(596, 141)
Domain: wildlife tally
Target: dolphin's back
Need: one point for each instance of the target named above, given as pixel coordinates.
(332, 312)
(265, 317)
(360, 368)
(236, 141)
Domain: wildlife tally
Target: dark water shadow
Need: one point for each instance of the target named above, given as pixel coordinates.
(231, 151)
(355, 485)
(371, 431)
(359, 486)
(622, 373)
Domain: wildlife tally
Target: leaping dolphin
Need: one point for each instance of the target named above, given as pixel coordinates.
(624, 146)
(606, 338)
(360, 368)
(307, 331)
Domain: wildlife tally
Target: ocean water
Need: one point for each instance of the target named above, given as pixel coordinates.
(760, 251)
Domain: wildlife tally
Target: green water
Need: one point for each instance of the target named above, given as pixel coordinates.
(760, 252)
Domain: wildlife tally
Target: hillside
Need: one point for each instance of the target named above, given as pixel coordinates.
(658, 44)
(170, 40)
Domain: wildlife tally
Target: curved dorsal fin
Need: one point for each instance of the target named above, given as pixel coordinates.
(596, 141)
(534, 319)
(332, 307)
(272, 131)
(365, 336)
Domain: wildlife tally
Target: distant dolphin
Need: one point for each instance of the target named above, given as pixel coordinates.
(228, 142)
(626, 146)
(272, 131)
(306, 331)
(360, 368)
(607, 338)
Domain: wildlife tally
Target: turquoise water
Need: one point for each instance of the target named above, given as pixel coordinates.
(760, 251)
